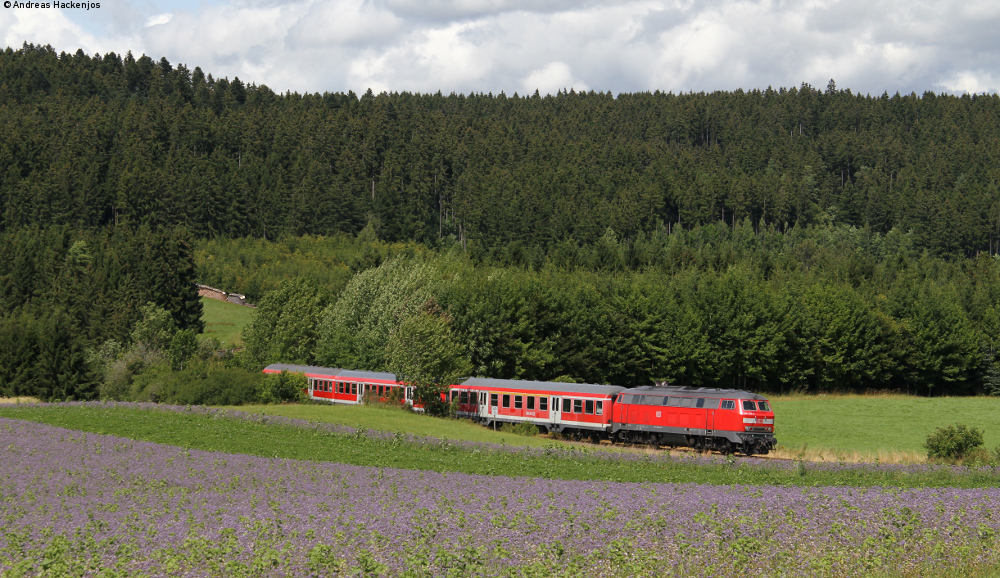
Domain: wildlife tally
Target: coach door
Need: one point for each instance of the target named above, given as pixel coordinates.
(494, 403)
(554, 409)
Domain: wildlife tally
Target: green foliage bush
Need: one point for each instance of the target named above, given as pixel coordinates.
(282, 387)
(520, 429)
(953, 442)
(205, 384)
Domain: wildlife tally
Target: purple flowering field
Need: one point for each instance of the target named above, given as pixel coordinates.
(76, 504)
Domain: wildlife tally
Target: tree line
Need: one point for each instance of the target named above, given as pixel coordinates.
(92, 141)
(820, 309)
(64, 292)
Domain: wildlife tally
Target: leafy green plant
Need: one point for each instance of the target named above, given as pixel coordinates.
(521, 429)
(280, 387)
(953, 442)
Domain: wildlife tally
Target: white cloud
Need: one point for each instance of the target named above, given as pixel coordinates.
(158, 19)
(869, 46)
(551, 78)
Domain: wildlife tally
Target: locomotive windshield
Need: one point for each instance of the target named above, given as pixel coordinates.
(762, 405)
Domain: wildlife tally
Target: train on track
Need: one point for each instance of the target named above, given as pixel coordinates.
(725, 420)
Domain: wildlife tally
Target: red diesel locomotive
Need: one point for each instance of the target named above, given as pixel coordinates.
(725, 420)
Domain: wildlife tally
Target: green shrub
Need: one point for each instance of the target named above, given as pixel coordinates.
(281, 387)
(953, 442)
(201, 385)
(522, 429)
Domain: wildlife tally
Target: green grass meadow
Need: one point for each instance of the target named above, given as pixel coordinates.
(224, 321)
(845, 424)
(878, 423)
(391, 419)
(194, 430)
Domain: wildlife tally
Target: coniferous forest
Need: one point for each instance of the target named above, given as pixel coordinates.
(796, 238)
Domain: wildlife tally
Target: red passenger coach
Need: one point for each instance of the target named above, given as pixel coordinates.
(575, 408)
(335, 385)
(703, 418)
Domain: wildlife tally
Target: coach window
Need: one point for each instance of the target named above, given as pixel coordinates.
(517, 402)
(749, 405)
(577, 406)
(531, 402)
(589, 409)
(600, 408)
(354, 388)
(567, 406)
(543, 404)
(728, 404)
(493, 399)
(463, 398)
(506, 400)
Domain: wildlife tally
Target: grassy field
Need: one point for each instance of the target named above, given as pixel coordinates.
(852, 428)
(390, 419)
(248, 435)
(224, 321)
(886, 426)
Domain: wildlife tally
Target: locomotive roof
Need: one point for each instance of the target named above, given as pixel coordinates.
(333, 372)
(544, 385)
(686, 391)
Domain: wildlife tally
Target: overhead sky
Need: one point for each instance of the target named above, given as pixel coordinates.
(869, 46)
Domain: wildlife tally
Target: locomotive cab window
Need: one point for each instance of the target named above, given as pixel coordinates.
(762, 406)
(749, 405)
(506, 400)
(531, 402)
(543, 404)
(517, 402)
(589, 409)
(577, 406)
(728, 404)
